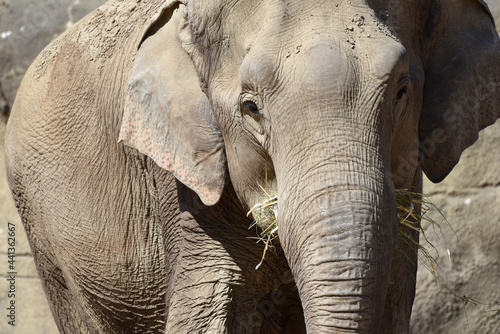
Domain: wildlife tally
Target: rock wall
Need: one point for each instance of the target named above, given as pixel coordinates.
(469, 301)
(469, 198)
(4, 107)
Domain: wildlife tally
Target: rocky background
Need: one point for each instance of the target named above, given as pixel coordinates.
(467, 302)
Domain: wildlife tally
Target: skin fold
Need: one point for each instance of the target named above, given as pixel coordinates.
(140, 139)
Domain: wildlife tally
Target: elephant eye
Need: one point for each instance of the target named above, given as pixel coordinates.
(401, 92)
(251, 107)
(403, 87)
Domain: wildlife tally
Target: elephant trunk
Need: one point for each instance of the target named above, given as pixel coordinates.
(338, 230)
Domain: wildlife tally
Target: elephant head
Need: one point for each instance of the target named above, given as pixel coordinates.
(336, 103)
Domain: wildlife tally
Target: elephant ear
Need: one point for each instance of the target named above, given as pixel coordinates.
(167, 116)
(462, 83)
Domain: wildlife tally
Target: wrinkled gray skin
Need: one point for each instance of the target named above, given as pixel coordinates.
(133, 182)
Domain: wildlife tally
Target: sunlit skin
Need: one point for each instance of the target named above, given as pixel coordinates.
(141, 139)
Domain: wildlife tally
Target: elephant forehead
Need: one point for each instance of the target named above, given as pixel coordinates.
(319, 65)
(259, 69)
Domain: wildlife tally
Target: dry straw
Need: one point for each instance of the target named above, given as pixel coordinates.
(265, 216)
(412, 209)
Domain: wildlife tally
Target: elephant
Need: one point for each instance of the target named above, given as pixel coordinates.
(141, 138)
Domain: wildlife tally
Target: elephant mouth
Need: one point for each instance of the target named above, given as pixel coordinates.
(412, 208)
(265, 220)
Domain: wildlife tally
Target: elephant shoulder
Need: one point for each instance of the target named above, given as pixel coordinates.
(84, 71)
(112, 31)
(73, 92)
